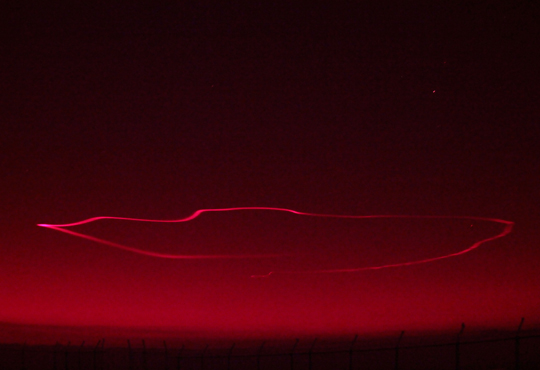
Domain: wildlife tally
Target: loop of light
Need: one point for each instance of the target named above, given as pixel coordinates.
(508, 225)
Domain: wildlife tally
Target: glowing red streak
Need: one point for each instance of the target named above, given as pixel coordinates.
(507, 230)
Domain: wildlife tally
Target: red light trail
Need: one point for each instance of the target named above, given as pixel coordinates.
(508, 225)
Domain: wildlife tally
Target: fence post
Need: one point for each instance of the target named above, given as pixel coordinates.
(66, 362)
(179, 358)
(517, 342)
(202, 357)
(259, 356)
(79, 360)
(457, 345)
(130, 356)
(95, 354)
(166, 355)
(351, 352)
(23, 354)
(103, 353)
(396, 365)
(292, 353)
(310, 354)
(55, 354)
(145, 363)
(229, 358)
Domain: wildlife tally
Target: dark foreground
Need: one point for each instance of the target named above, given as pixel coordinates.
(495, 350)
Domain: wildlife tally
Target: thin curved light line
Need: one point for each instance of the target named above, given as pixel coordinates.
(200, 211)
(62, 228)
(507, 230)
(162, 255)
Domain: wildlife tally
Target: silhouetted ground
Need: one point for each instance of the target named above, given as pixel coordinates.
(478, 349)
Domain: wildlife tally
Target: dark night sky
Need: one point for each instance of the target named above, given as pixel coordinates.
(156, 112)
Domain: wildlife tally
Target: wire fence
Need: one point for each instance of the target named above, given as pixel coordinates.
(519, 352)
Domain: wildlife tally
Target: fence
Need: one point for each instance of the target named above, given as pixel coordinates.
(519, 352)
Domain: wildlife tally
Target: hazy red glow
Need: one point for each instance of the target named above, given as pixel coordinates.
(62, 228)
(154, 113)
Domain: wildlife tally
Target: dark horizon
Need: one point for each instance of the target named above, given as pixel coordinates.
(48, 335)
(495, 348)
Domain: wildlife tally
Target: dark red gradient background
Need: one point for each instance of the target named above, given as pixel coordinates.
(156, 112)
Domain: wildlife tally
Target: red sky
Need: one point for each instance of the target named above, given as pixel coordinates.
(156, 113)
